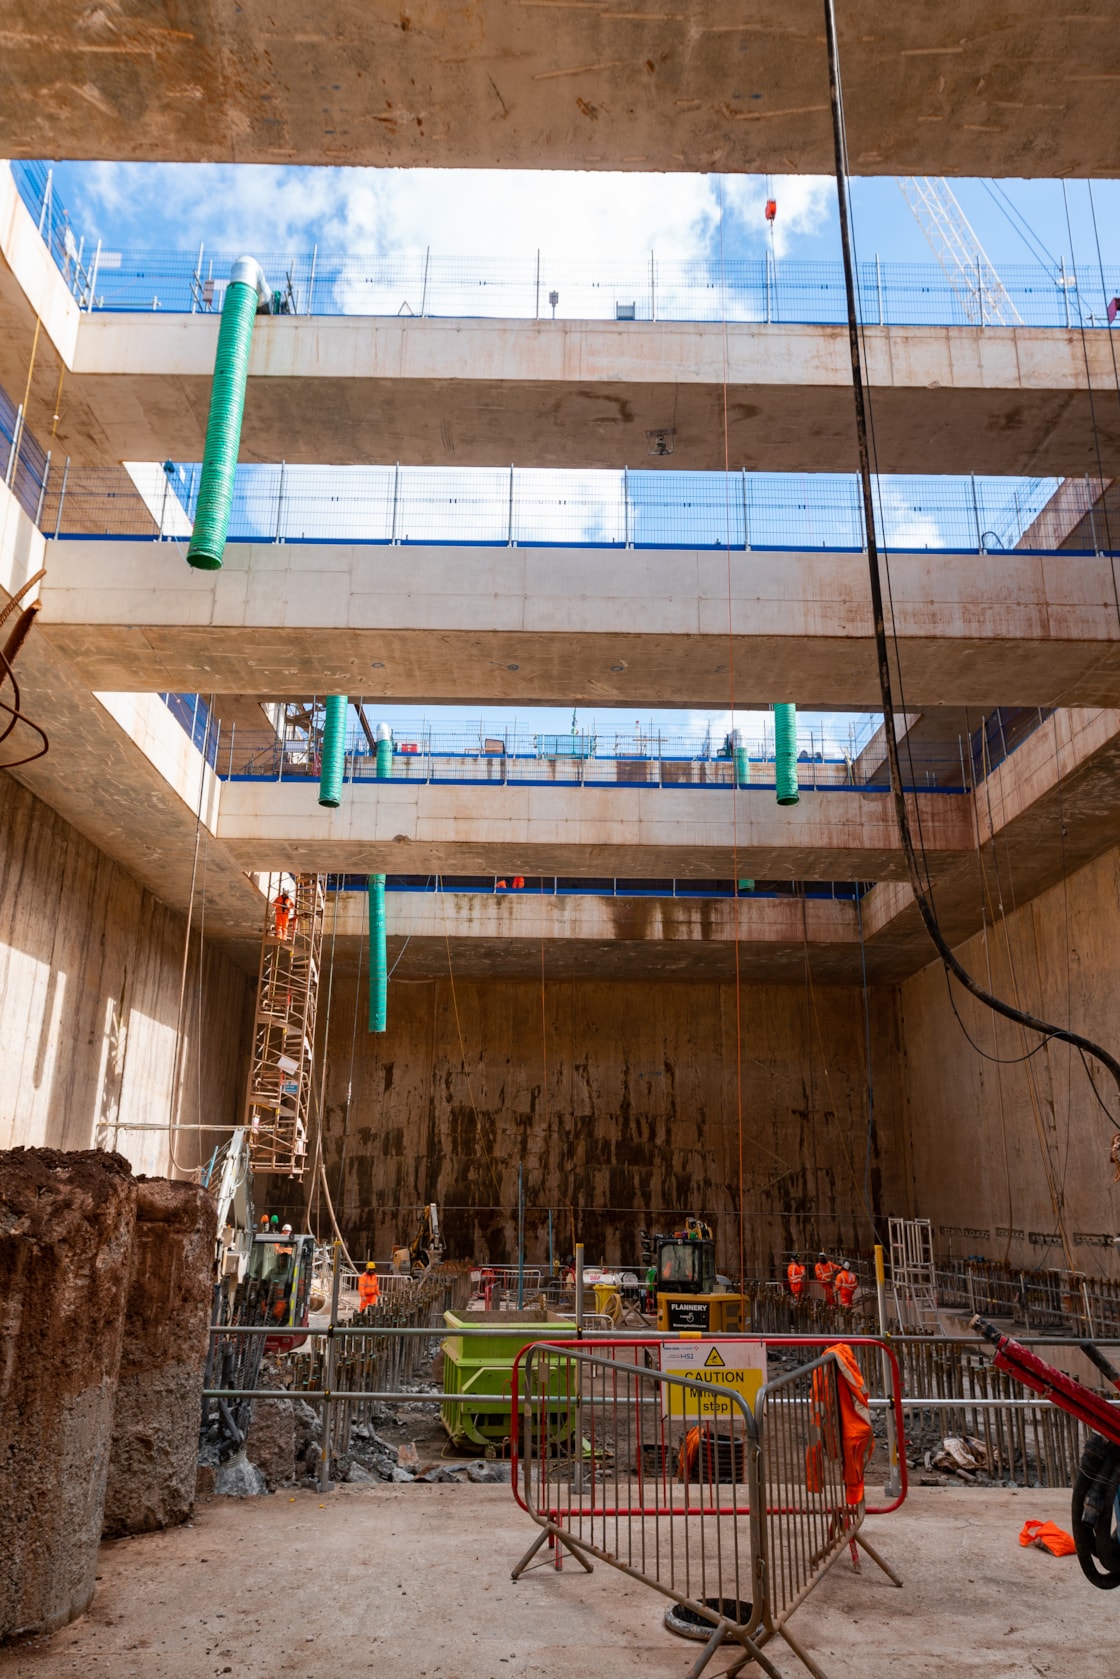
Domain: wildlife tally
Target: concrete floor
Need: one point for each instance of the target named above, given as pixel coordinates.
(414, 1582)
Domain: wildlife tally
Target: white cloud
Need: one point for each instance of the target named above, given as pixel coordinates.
(805, 203)
(595, 231)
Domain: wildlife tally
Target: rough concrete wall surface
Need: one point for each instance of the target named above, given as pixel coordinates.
(159, 1393)
(636, 1124)
(90, 967)
(1006, 1155)
(66, 1228)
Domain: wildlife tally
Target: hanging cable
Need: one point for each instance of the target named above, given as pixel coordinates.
(859, 395)
(1020, 224)
(1092, 405)
(735, 796)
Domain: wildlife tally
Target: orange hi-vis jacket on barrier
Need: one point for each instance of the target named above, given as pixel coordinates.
(824, 1271)
(795, 1276)
(846, 1284)
(857, 1441)
(369, 1288)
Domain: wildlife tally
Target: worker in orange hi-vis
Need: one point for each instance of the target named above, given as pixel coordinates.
(518, 882)
(369, 1287)
(795, 1276)
(825, 1271)
(282, 910)
(846, 1284)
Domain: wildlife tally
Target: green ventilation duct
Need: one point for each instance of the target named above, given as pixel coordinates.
(785, 753)
(378, 962)
(739, 760)
(246, 292)
(746, 886)
(333, 762)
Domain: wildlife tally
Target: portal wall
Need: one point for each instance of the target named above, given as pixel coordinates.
(634, 1122)
(998, 1150)
(90, 973)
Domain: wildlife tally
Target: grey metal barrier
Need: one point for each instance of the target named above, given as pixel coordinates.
(733, 1516)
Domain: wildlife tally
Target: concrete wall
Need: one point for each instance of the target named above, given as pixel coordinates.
(989, 1143)
(637, 1126)
(90, 967)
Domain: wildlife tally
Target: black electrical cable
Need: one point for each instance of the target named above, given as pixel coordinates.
(925, 909)
(1015, 217)
(1092, 400)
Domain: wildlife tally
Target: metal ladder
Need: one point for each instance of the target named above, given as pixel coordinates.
(278, 1094)
(913, 1283)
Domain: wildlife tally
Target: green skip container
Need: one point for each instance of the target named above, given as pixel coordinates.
(483, 1364)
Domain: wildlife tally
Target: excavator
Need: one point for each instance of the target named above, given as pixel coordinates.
(425, 1249)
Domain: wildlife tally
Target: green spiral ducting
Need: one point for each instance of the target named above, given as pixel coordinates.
(785, 753)
(333, 762)
(378, 975)
(223, 426)
(742, 766)
(378, 961)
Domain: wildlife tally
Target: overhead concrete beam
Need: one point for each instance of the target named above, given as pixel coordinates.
(110, 387)
(952, 89)
(119, 768)
(585, 393)
(608, 627)
(402, 827)
(501, 935)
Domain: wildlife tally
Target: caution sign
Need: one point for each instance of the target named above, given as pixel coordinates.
(723, 1366)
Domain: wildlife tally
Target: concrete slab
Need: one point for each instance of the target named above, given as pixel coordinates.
(414, 1581)
(447, 625)
(942, 91)
(395, 827)
(583, 394)
(501, 936)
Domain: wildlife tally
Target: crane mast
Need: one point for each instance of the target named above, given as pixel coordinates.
(954, 243)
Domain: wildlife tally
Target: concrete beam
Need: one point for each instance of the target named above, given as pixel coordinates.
(119, 768)
(953, 89)
(556, 626)
(401, 827)
(501, 936)
(584, 394)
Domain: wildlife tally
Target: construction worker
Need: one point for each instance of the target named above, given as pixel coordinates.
(795, 1277)
(282, 907)
(825, 1271)
(369, 1287)
(518, 882)
(846, 1284)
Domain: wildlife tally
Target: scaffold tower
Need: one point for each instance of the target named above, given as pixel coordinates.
(278, 1096)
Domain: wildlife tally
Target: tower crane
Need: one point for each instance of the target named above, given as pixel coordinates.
(967, 265)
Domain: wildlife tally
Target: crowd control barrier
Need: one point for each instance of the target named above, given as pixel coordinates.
(730, 1501)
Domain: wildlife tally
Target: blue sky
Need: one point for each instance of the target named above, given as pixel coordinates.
(505, 213)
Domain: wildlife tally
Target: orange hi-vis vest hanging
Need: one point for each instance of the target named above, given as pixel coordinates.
(795, 1276)
(857, 1440)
